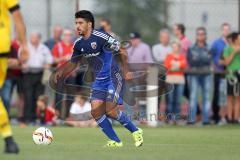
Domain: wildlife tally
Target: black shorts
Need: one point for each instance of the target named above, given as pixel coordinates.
(233, 85)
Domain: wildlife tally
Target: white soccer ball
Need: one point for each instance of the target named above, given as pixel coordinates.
(42, 136)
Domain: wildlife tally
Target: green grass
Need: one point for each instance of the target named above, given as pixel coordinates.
(164, 143)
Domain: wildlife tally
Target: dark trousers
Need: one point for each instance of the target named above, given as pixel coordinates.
(215, 107)
(64, 100)
(33, 88)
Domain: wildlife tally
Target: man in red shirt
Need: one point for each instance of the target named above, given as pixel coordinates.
(63, 50)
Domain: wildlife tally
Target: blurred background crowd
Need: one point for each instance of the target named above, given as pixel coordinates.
(205, 75)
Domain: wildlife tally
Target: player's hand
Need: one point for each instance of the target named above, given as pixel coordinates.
(24, 53)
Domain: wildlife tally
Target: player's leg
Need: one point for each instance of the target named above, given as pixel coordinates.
(98, 112)
(113, 112)
(5, 128)
(115, 98)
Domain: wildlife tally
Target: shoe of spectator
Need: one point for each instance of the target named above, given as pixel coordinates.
(222, 122)
(206, 123)
(181, 123)
(191, 123)
(22, 125)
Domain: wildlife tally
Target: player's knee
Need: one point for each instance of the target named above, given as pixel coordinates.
(96, 114)
(112, 114)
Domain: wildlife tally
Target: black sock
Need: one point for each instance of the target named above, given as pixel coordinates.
(9, 140)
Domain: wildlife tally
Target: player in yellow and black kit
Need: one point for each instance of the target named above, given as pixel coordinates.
(8, 7)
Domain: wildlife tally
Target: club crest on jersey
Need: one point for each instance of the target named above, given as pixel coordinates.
(94, 45)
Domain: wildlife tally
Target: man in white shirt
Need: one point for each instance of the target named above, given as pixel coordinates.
(39, 58)
(160, 52)
(163, 48)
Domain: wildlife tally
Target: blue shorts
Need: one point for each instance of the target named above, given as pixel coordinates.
(108, 90)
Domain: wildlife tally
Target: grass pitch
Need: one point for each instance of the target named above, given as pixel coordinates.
(163, 143)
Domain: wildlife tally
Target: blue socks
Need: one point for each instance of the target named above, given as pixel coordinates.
(126, 122)
(106, 126)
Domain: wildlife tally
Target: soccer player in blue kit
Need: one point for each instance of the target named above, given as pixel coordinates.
(106, 91)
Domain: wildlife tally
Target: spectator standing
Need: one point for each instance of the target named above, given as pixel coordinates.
(232, 61)
(56, 37)
(62, 52)
(199, 60)
(39, 58)
(160, 51)
(63, 49)
(139, 57)
(18, 80)
(217, 50)
(139, 52)
(14, 78)
(105, 25)
(179, 33)
(175, 63)
(12, 75)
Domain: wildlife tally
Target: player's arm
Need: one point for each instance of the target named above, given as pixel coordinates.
(116, 47)
(124, 63)
(21, 31)
(65, 70)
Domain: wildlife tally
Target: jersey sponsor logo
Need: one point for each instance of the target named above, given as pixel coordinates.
(91, 55)
(94, 45)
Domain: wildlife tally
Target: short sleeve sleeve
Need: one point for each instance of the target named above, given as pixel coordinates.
(76, 52)
(226, 52)
(49, 58)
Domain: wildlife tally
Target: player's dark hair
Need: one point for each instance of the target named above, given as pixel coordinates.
(181, 27)
(234, 36)
(86, 15)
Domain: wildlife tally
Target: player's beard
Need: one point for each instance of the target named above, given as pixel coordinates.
(80, 33)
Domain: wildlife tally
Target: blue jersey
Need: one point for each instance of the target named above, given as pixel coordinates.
(98, 57)
(108, 83)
